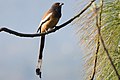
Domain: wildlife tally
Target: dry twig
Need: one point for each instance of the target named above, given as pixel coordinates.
(97, 50)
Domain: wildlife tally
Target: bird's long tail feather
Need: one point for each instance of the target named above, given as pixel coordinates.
(38, 69)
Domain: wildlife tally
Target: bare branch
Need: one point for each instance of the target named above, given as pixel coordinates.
(95, 63)
(52, 30)
(97, 50)
(19, 34)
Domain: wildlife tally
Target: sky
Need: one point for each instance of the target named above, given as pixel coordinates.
(63, 56)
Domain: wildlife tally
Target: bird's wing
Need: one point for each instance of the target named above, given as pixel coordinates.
(43, 21)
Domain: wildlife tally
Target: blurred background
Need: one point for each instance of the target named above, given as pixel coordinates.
(63, 56)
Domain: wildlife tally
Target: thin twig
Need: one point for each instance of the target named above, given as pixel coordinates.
(95, 63)
(104, 46)
(52, 30)
(97, 50)
(19, 34)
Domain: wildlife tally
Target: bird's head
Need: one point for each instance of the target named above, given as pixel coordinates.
(57, 6)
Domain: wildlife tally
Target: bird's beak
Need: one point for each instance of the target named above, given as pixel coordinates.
(61, 4)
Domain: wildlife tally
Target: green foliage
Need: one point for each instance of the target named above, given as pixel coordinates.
(110, 32)
(111, 35)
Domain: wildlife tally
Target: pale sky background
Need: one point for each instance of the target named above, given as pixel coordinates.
(63, 57)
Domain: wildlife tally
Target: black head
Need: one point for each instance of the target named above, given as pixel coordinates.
(57, 7)
(57, 4)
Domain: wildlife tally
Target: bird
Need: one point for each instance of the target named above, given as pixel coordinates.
(49, 21)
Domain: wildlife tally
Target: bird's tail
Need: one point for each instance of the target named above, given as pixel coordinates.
(38, 69)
